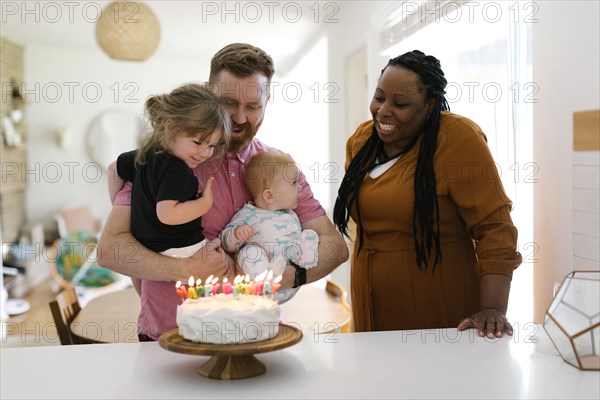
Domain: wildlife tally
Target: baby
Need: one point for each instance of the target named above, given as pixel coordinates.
(266, 233)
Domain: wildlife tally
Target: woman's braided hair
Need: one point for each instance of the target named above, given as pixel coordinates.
(426, 220)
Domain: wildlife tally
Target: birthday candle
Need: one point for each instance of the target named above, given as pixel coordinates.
(267, 287)
(180, 290)
(246, 284)
(260, 282)
(191, 291)
(215, 286)
(227, 288)
(208, 286)
(238, 286)
(199, 288)
(276, 285)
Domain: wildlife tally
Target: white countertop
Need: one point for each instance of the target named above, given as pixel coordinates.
(396, 364)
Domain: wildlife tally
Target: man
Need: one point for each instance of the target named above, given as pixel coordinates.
(240, 74)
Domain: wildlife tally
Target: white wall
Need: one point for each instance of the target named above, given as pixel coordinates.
(355, 30)
(55, 82)
(565, 67)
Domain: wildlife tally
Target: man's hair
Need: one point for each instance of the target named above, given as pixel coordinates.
(241, 60)
(265, 169)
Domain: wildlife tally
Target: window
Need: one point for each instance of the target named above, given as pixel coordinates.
(485, 52)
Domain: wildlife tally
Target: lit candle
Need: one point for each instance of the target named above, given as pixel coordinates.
(191, 291)
(267, 288)
(199, 288)
(208, 286)
(259, 283)
(215, 286)
(237, 285)
(246, 284)
(180, 290)
(227, 288)
(276, 285)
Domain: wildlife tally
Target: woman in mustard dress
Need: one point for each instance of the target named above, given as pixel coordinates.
(435, 246)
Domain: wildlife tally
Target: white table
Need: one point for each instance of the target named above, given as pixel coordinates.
(397, 364)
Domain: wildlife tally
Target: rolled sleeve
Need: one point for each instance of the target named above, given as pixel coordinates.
(308, 207)
(123, 198)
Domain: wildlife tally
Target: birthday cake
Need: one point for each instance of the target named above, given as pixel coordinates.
(228, 319)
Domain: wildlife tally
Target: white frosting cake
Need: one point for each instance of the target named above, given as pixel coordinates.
(224, 319)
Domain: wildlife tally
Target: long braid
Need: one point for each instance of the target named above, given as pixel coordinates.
(426, 221)
(350, 186)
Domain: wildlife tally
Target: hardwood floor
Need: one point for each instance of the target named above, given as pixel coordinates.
(34, 327)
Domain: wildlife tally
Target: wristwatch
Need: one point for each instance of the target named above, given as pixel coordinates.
(300, 278)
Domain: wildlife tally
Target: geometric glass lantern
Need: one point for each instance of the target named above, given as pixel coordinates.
(128, 30)
(573, 320)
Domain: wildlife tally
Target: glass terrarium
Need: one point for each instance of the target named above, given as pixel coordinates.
(573, 320)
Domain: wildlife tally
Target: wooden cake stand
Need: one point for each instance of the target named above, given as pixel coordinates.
(231, 361)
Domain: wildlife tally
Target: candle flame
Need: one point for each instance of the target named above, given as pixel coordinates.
(261, 276)
(178, 285)
(198, 282)
(237, 279)
(278, 279)
(270, 275)
(191, 281)
(247, 278)
(209, 279)
(215, 280)
(225, 280)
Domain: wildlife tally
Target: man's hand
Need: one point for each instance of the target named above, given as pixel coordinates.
(244, 232)
(212, 260)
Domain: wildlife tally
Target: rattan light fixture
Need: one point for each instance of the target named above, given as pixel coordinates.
(128, 30)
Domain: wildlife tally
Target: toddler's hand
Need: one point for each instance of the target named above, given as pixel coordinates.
(207, 192)
(244, 232)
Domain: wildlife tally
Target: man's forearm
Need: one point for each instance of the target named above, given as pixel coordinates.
(119, 251)
(333, 251)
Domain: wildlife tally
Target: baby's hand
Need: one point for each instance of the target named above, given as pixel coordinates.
(244, 232)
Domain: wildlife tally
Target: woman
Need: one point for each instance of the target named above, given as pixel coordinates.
(435, 244)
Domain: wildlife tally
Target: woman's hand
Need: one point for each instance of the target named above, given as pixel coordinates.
(488, 322)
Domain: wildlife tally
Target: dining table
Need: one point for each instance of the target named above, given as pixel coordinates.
(435, 363)
(112, 317)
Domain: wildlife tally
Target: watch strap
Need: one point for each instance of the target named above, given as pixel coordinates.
(300, 277)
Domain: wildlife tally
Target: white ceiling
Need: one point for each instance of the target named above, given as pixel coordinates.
(197, 28)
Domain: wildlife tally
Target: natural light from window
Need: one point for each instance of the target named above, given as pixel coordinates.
(488, 68)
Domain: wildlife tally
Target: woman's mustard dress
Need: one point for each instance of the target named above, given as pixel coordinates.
(477, 235)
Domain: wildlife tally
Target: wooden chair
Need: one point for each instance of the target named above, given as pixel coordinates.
(337, 290)
(64, 309)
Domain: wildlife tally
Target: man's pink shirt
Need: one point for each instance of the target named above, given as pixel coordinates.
(159, 301)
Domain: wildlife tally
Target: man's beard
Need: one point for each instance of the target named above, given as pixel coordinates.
(239, 143)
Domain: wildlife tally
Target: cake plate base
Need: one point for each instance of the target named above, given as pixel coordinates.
(231, 361)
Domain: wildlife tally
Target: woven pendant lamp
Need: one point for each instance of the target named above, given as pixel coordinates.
(128, 30)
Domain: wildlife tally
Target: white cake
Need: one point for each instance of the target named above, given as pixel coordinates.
(224, 319)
